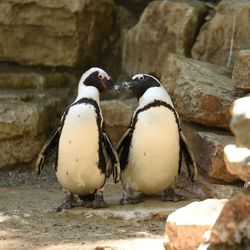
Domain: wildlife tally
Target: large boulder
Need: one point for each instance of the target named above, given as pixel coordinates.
(221, 38)
(164, 26)
(185, 227)
(55, 33)
(232, 228)
(241, 72)
(203, 93)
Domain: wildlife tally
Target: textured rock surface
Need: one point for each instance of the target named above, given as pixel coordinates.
(117, 115)
(208, 151)
(241, 72)
(237, 161)
(228, 32)
(232, 228)
(164, 26)
(203, 93)
(55, 33)
(240, 122)
(185, 227)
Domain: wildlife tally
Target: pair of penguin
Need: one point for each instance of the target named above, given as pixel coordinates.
(147, 159)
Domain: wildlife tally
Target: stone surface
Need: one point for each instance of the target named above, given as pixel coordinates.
(224, 35)
(164, 26)
(117, 115)
(207, 147)
(185, 227)
(55, 33)
(203, 93)
(232, 228)
(237, 161)
(240, 122)
(241, 72)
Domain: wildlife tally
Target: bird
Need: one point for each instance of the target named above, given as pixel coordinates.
(83, 147)
(152, 148)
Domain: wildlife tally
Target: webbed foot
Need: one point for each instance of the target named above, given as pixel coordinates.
(170, 195)
(98, 201)
(70, 201)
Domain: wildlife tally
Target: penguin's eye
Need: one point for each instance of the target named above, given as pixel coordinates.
(140, 77)
(100, 76)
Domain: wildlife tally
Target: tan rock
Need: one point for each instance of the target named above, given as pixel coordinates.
(18, 118)
(185, 227)
(207, 148)
(237, 161)
(164, 26)
(117, 115)
(34, 80)
(223, 36)
(240, 122)
(232, 228)
(241, 72)
(20, 149)
(55, 33)
(203, 93)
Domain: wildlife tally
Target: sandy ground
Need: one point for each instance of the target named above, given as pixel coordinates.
(28, 219)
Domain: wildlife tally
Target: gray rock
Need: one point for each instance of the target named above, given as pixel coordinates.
(164, 26)
(207, 147)
(203, 93)
(223, 36)
(55, 33)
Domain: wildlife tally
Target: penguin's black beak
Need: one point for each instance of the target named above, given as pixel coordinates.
(112, 85)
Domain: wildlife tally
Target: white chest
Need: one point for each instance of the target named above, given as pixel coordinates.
(154, 153)
(78, 156)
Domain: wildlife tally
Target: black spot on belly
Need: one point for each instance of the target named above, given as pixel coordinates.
(78, 115)
(144, 153)
(67, 173)
(77, 160)
(69, 141)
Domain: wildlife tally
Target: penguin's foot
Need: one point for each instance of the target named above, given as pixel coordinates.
(70, 201)
(129, 200)
(98, 201)
(86, 198)
(170, 195)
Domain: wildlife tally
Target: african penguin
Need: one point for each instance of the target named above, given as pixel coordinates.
(82, 144)
(150, 151)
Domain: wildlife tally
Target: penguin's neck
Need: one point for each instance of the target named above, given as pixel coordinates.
(88, 92)
(152, 94)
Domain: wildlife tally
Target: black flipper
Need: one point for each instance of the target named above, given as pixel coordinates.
(189, 157)
(123, 148)
(115, 163)
(51, 143)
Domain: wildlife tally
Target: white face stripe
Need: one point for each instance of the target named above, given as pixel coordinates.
(142, 75)
(85, 75)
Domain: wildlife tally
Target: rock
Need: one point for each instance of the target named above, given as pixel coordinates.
(164, 26)
(237, 161)
(223, 36)
(185, 227)
(19, 118)
(240, 122)
(20, 149)
(203, 93)
(241, 72)
(207, 148)
(34, 80)
(55, 33)
(232, 228)
(117, 115)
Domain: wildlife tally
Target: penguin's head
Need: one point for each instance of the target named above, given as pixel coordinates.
(97, 77)
(140, 83)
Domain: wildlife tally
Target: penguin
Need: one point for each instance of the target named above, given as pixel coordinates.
(83, 146)
(150, 151)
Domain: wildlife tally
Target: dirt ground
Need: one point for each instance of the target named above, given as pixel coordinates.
(28, 219)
